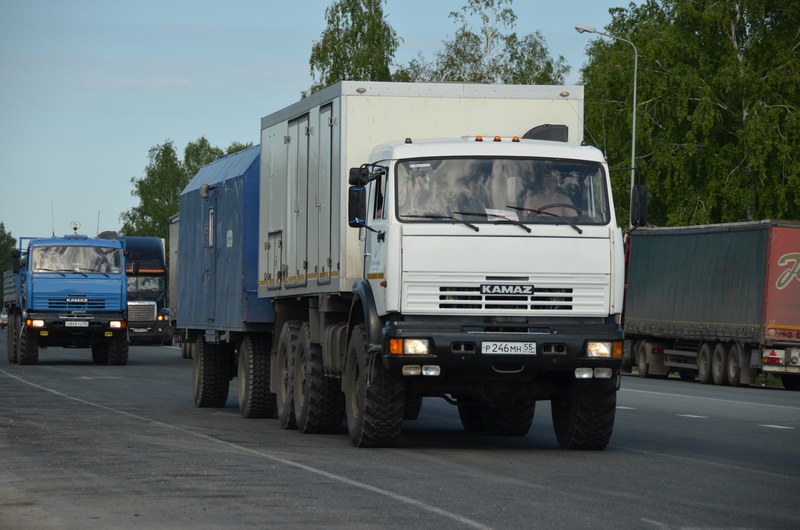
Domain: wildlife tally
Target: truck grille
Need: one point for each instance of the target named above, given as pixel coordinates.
(141, 311)
(76, 303)
(585, 295)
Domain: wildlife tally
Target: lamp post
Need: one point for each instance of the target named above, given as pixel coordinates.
(585, 28)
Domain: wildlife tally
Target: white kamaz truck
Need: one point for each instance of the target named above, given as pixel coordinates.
(474, 257)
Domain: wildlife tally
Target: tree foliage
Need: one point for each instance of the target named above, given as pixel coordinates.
(165, 177)
(492, 53)
(717, 114)
(357, 44)
(7, 244)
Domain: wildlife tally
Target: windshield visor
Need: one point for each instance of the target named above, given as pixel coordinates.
(493, 189)
(76, 259)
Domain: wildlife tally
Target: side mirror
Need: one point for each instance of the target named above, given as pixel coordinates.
(358, 176)
(356, 206)
(638, 205)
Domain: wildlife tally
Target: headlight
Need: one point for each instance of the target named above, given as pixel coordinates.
(408, 346)
(116, 324)
(599, 349)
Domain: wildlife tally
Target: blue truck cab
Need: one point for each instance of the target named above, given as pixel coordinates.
(68, 291)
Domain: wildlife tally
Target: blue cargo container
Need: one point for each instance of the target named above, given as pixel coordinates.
(221, 320)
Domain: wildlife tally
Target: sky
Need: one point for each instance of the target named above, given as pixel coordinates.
(88, 87)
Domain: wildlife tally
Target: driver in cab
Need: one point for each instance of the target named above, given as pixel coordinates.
(549, 197)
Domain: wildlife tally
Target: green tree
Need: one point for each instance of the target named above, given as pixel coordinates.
(165, 177)
(717, 118)
(357, 44)
(7, 244)
(493, 53)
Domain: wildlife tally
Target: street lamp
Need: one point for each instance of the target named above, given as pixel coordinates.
(586, 28)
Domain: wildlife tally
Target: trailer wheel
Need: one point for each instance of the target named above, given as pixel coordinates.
(210, 375)
(100, 352)
(28, 352)
(583, 413)
(287, 351)
(641, 358)
(719, 364)
(374, 396)
(412, 408)
(318, 398)
(704, 363)
(734, 366)
(118, 350)
(255, 399)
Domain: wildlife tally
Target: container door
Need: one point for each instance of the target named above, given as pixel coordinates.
(323, 196)
(782, 313)
(298, 203)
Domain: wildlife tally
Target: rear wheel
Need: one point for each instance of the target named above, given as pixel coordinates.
(641, 358)
(287, 351)
(255, 399)
(719, 364)
(12, 339)
(583, 413)
(734, 366)
(318, 399)
(704, 363)
(374, 396)
(28, 351)
(210, 375)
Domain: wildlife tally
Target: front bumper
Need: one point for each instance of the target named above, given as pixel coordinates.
(74, 329)
(149, 331)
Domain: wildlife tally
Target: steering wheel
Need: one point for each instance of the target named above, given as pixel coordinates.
(558, 205)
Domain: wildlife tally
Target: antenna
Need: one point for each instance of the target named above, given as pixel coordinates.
(53, 218)
(98, 221)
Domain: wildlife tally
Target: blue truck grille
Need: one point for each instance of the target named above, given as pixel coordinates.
(80, 303)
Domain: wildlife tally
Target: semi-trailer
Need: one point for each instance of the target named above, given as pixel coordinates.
(720, 303)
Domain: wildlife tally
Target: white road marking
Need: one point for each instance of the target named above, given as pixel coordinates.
(777, 426)
(625, 408)
(332, 476)
(692, 416)
(696, 398)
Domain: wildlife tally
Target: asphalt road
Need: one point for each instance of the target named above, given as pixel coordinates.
(86, 446)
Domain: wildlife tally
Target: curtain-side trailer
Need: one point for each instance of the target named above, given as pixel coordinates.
(717, 302)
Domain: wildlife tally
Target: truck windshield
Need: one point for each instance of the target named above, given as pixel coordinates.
(76, 259)
(492, 190)
(145, 284)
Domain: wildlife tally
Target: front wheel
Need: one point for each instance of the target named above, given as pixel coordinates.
(28, 349)
(583, 413)
(100, 352)
(118, 350)
(374, 396)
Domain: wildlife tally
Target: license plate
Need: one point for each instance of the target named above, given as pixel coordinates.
(511, 348)
(76, 324)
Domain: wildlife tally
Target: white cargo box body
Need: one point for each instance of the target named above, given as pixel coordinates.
(308, 148)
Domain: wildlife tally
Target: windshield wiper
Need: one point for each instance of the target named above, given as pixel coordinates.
(436, 216)
(545, 212)
(41, 269)
(500, 219)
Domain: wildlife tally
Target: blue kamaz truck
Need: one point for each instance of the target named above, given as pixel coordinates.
(67, 291)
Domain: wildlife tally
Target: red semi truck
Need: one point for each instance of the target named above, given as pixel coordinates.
(717, 302)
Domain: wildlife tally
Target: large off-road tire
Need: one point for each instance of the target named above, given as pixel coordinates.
(583, 412)
(28, 350)
(210, 375)
(318, 398)
(100, 352)
(12, 337)
(184, 350)
(287, 352)
(719, 364)
(704, 363)
(118, 350)
(512, 419)
(255, 399)
(374, 396)
(471, 415)
(412, 408)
